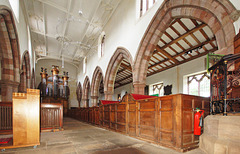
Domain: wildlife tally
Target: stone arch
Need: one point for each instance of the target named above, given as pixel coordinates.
(85, 94)
(33, 80)
(216, 14)
(96, 80)
(114, 63)
(25, 76)
(9, 47)
(79, 93)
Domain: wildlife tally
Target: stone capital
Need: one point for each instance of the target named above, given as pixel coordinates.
(94, 97)
(235, 15)
(137, 84)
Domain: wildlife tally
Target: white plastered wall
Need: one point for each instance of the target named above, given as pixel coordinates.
(126, 30)
(176, 76)
(122, 30)
(21, 27)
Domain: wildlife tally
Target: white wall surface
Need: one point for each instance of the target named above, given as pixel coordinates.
(21, 28)
(72, 73)
(175, 76)
(122, 90)
(125, 29)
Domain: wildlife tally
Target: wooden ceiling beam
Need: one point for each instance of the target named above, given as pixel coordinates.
(156, 52)
(187, 60)
(194, 22)
(182, 24)
(184, 35)
(174, 29)
(118, 81)
(184, 51)
(189, 44)
(128, 67)
(204, 34)
(166, 54)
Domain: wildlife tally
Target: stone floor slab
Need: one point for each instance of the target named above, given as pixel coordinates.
(82, 138)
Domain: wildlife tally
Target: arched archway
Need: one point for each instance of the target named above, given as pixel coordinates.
(10, 66)
(216, 14)
(95, 85)
(25, 76)
(86, 92)
(79, 94)
(33, 80)
(112, 69)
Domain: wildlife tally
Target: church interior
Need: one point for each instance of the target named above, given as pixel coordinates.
(120, 76)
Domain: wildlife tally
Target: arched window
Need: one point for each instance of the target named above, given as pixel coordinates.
(145, 5)
(199, 84)
(101, 44)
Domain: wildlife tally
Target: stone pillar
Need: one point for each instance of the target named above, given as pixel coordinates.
(94, 100)
(7, 88)
(85, 102)
(108, 95)
(44, 81)
(139, 88)
(55, 72)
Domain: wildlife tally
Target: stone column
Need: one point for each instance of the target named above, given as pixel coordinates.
(108, 95)
(85, 102)
(94, 100)
(7, 88)
(139, 88)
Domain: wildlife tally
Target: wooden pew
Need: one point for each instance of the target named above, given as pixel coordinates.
(167, 120)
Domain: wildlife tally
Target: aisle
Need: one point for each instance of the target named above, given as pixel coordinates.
(82, 138)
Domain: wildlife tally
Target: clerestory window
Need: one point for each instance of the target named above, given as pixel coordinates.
(145, 5)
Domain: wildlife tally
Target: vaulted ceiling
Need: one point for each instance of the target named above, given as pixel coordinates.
(67, 29)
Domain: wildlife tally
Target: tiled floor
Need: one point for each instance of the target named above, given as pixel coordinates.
(81, 138)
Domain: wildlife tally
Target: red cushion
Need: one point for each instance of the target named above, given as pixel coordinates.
(5, 140)
(138, 97)
(104, 102)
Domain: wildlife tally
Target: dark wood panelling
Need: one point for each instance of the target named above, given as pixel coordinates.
(167, 120)
(51, 116)
(6, 116)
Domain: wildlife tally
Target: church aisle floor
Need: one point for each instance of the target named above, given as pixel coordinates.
(82, 138)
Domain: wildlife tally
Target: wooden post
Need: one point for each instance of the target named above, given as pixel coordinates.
(110, 119)
(126, 116)
(115, 116)
(156, 120)
(137, 118)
